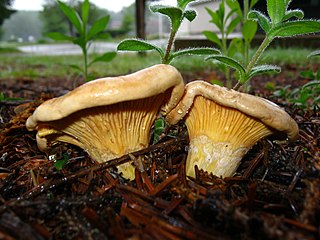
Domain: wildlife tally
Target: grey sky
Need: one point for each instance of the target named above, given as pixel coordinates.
(112, 5)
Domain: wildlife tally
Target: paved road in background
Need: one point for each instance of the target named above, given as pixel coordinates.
(71, 49)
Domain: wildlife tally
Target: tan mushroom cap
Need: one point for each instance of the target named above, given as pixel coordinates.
(224, 124)
(109, 117)
(106, 91)
(267, 112)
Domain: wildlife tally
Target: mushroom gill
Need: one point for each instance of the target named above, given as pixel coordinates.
(107, 132)
(110, 117)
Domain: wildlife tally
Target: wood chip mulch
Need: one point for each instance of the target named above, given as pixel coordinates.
(275, 193)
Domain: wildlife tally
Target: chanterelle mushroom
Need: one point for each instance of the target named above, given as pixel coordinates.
(109, 117)
(224, 124)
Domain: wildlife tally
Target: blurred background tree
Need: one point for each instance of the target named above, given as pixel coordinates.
(32, 26)
(54, 20)
(5, 12)
(128, 19)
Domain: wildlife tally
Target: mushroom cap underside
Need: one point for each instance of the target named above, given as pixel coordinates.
(267, 112)
(105, 91)
(112, 130)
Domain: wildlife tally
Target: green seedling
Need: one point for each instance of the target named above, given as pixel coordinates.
(60, 163)
(309, 74)
(4, 98)
(279, 23)
(85, 35)
(306, 96)
(159, 127)
(176, 15)
(309, 94)
(314, 54)
(227, 22)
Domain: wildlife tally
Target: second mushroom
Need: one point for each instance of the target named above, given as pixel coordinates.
(109, 117)
(224, 124)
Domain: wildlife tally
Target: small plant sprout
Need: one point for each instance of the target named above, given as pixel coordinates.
(309, 94)
(223, 124)
(279, 23)
(176, 15)
(85, 35)
(227, 22)
(109, 117)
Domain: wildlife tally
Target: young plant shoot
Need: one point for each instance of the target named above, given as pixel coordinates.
(176, 15)
(227, 22)
(279, 23)
(84, 36)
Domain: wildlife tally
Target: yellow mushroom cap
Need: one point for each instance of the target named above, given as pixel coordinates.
(106, 91)
(224, 124)
(109, 117)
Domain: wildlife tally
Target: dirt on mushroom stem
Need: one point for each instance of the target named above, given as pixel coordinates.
(274, 193)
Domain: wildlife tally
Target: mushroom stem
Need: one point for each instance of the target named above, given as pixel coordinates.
(220, 137)
(219, 158)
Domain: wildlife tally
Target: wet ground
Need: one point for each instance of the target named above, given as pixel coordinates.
(275, 193)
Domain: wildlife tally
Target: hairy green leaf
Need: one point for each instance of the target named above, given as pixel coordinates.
(138, 45)
(183, 3)
(276, 10)
(72, 15)
(262, 20)
(311, 84)
(287, 2)
(297, 13)
(85, 11)
(190, 15)
(314, 53)
(107, 57)
(264, 69)
(213, 37)
(174, 14)
(57, 36)
(196, 51)
(290, 29)
(231, 63)
(97, 27)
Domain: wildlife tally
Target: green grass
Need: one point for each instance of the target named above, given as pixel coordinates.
(21, 65)
(58, 66)
(9, 50)
(282, 56)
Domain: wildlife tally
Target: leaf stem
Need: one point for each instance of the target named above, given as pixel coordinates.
(244, 20)
(258, 54)
(85, 58)
(254, 60)
(169, 46)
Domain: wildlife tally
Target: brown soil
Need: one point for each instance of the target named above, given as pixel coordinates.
(275, 193)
